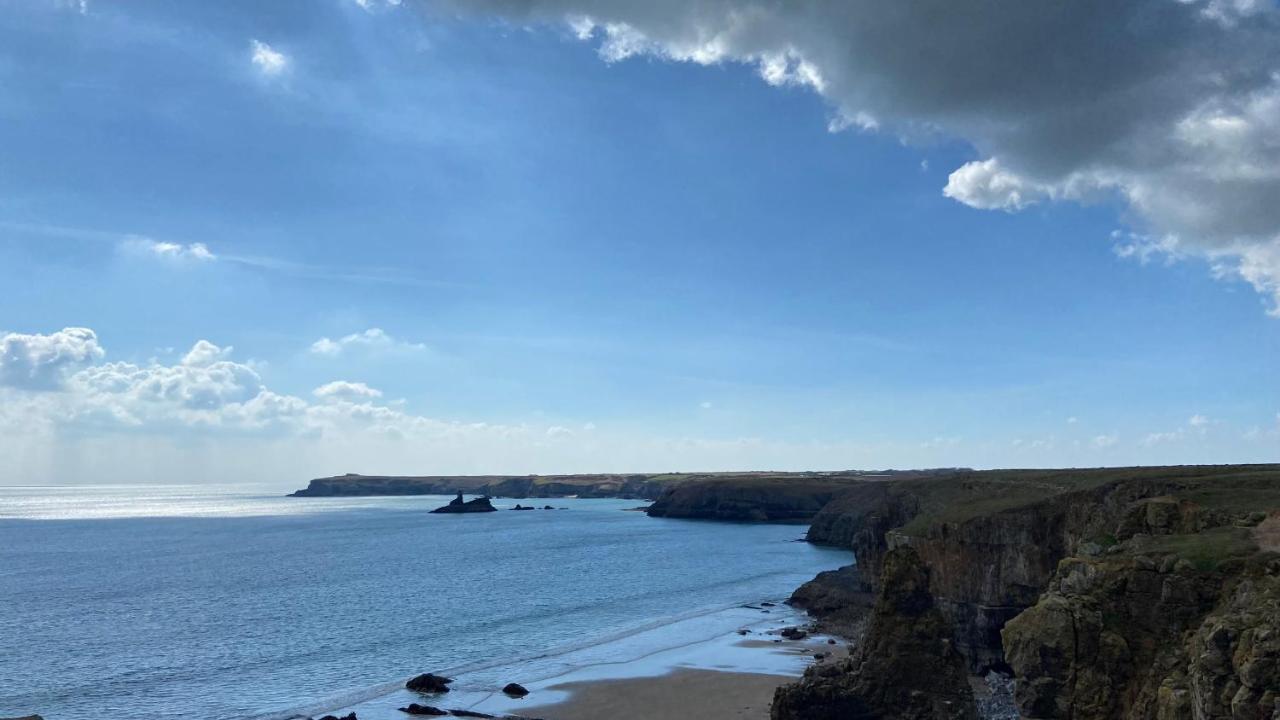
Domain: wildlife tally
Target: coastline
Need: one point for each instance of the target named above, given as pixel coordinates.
(688, 662)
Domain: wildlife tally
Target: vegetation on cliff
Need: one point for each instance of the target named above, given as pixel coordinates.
(1108, 593)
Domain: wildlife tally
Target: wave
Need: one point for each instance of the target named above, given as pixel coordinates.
(362, 695)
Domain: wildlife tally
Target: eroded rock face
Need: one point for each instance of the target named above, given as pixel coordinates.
(1235, 654)
(841, 600)
(1150, 638)
(907, 667)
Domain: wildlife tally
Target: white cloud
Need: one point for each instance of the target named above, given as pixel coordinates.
(372, 5)
(1105, 441)
(205, 353)
(268, 60)
(557, 431)
(705, 405)
(344, 390)
(1197, 421)
(1173, 108)
(1072, 420)
(43, 362)
(195, 252)
(371, 339)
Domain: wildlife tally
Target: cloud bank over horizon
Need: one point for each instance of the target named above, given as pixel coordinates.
(1170, 108)
(210, 417)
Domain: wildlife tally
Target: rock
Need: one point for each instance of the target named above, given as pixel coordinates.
(476, 505)
(25, 717)
(907, 667)
(470, 713)
(416, 709)
(521, 507)
(768, 604)
(547, 507)
(429, 683)
(793, 633)
(515, 690)
(348, 716)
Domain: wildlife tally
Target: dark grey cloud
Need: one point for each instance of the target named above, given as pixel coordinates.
(1171, 105)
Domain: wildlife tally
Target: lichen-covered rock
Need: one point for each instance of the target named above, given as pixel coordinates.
(1150, 637)
(1235, 654)
(907, 667)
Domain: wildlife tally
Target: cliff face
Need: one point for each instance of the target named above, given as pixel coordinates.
(1117, 565)
(517, 486)
(907, 666)
(1151, 636)
(773, 499)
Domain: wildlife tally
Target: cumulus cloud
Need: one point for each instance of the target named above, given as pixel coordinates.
(371, 339)
(343, 390)
(268, 60)
(43, 362)
(1171, 107)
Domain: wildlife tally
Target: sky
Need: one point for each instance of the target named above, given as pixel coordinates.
(246, 241)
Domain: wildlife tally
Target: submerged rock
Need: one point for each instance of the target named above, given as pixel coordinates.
(458, 505)
(416, 709)
(348, 716)
(429, 683)
(515, 690)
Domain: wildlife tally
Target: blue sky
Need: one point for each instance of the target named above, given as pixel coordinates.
(549, 256)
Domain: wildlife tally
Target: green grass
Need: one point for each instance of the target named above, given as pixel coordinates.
(1204, 550)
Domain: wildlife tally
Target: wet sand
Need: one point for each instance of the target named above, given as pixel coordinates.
(684, 694)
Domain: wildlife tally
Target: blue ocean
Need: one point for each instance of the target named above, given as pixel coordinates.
(238, 603)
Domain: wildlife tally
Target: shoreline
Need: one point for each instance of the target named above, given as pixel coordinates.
(736, 649)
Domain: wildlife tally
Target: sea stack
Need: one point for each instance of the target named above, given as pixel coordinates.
(458, 505)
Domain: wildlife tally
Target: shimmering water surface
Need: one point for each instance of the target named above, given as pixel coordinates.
(229, 603)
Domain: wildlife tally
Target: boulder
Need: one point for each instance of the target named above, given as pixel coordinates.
(348, 716)
(429, 683)
(515, 690)
(793, 633)
(416, 709)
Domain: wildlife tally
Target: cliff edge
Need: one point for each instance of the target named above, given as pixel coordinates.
(1107, 593)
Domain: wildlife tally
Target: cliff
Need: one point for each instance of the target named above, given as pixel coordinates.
(646, 486)
(906, 667)
(1163, 551)
(761, 497)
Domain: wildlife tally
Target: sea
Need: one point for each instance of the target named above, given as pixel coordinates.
(238, 603)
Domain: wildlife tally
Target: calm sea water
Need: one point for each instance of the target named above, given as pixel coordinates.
(231, 603)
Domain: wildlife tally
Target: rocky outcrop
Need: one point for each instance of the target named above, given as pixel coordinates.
(429, 683)
(475, 505)
(907, 668)
(1148, 589)
(840, 599)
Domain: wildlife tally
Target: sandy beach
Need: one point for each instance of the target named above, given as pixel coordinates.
(684, 693)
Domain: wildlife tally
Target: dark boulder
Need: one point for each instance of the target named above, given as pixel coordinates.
(416, 709)
(348, 716)
(471, 713)
(522, 507)
(429, 683)
(793, 633)
(515, 690)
